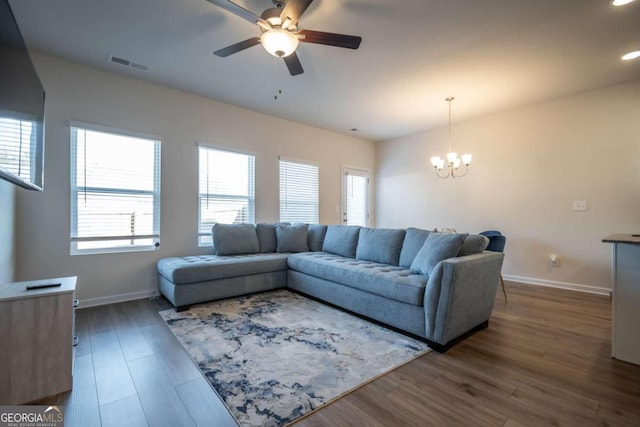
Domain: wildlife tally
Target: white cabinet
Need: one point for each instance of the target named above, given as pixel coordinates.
(36, 340)
(625, 310)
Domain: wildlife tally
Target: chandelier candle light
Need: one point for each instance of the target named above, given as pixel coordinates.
(453, 161)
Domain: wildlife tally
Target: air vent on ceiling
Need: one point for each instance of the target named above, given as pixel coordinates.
(127, 63)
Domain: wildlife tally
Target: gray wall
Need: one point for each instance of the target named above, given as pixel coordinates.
(529, 165)
(180, 119)
(7, 224)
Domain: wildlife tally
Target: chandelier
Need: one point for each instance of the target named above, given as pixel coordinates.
(453, 162)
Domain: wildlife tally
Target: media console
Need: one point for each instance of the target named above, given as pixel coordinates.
(36, 335)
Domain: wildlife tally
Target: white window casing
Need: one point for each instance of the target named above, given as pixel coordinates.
(115, 190)
(226, 189)
(21, 151)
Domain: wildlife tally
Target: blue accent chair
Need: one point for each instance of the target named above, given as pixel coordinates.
(496, 244)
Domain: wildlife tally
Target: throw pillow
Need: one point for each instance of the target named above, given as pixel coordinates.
(292, 238)
(267, 237)
(473, 244)
(437, 247)
(235, 239)
(341, 240)
(413, 241)
(381, 245)
(316, 236)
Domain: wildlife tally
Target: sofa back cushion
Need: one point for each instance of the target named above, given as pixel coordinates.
(292, 237)
(473, 244)
(267, 240)
(381, 245)
(316, 236)
(235, 239)
(414, 239)
(437, 247)
(341, 240)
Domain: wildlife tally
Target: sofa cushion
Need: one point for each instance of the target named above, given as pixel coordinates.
(397, 283)
(381, 245)
(235, 239)
(292, 238)
(473, 244)
(437, 247)
(341, 240)
(267, 240)
(316, 236)
(413, 241)
(194, 269)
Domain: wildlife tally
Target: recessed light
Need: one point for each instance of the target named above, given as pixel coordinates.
(354, 130)
(631, 55)
(621, 2)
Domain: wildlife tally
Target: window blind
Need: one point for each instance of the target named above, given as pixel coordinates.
(298, 192)
(226, 190)
(19, 149)
(356, 199)
(115, 191)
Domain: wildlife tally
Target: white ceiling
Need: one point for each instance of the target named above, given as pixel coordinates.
(492, 55)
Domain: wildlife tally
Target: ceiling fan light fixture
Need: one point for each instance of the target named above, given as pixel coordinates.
(621, 2)
(631, 55)
(279, 42)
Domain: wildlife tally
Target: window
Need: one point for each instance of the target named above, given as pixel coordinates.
(21, 152)
(298, 192)
(226, 190)
(115, 191)
(355, 204)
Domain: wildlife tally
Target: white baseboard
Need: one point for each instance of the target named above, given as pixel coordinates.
(112, 299)
(561, 285)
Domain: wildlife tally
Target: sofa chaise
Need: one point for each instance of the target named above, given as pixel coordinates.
(439, 287)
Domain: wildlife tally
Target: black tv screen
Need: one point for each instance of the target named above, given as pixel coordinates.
(21, 108)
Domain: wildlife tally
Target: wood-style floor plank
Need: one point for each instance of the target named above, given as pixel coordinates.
(145, 312)
(98, 319)
(111, 372)
(177, 365)
(206, 409)
(82, 331)
(81, 403)
(160, 401)
(126, 412)
(133, 343)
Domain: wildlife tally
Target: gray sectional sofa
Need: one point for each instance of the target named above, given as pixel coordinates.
(439, 287)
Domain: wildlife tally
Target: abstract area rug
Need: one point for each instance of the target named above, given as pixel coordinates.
(276, 356)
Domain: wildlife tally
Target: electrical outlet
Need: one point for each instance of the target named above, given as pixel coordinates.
(553, 260)
(579, 205)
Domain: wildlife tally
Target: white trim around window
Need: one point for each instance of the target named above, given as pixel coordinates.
(226, 189)
(115, 190)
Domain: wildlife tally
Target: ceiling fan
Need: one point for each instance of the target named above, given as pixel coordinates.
(280, 34)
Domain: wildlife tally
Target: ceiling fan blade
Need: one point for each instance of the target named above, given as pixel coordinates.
(293, 64)
(330, 39)
(234, 48)
(292, 11)
(241, 12)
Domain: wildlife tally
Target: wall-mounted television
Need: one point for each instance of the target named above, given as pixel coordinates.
(21, 108)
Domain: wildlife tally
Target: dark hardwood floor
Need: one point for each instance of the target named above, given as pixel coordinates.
(544, 360)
